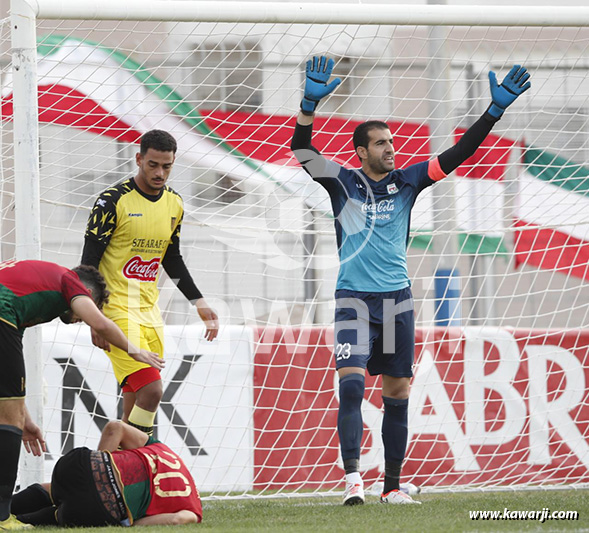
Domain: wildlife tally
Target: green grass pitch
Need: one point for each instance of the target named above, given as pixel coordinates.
(440, 512)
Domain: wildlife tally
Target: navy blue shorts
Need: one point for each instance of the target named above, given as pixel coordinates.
(375, 331)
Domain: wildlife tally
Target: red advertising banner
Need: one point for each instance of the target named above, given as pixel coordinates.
(488, 407)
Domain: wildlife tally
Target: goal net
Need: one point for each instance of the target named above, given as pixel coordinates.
(498, 254)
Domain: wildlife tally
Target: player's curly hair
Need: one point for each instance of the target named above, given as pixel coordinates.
(92, 278)
(360, 136)
(159, 140)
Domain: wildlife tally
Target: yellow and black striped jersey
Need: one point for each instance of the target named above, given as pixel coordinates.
(136, 230)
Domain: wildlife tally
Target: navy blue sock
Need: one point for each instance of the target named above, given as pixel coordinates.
(392, 476)
(349, 417)
(394, 438)
(10, 442)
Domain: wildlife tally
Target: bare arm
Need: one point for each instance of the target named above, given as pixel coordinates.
(32, 436)
(305, 120)
(85, 309)
(119, 434)
(209, 317)
(172, 519)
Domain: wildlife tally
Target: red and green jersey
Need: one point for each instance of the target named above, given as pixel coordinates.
(33, 292)
(156, 481)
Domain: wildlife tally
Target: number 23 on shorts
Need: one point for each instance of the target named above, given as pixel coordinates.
(343, 351)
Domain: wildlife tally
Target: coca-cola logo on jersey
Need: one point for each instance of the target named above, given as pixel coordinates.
(137, 268)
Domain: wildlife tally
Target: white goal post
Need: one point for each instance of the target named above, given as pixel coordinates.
(498, 254)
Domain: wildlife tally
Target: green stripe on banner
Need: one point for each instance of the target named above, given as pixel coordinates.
(49, 44)
(469, 243)
(474, 243)
(557, 170)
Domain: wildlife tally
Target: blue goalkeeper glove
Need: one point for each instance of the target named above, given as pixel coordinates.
(316, 86)
(514, 84)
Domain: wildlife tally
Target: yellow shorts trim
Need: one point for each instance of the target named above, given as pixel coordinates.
(7, 322)
(147, 338)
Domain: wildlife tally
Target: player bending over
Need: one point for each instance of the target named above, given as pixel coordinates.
(33, 292)
(132, 479)
(372, 207)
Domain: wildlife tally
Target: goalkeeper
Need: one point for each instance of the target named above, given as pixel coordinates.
(372, 208)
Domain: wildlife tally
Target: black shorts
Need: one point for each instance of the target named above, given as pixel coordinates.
(13, 376)
(82, 492)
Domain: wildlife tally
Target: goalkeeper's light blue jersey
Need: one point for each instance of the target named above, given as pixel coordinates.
(372, 222)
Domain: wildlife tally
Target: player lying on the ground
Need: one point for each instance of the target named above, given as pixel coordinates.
(142, 483)
(33, 292)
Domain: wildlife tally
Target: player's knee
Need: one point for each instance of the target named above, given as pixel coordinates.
(395, 387)
(351, 389)
(150, 396)
(112, 427)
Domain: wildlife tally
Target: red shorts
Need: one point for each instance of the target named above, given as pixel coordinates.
(135, 381)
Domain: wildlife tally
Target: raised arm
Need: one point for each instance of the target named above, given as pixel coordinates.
(317, 86)
(514, 84)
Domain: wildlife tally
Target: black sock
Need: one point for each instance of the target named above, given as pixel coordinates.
(10, 442)
(31, 499)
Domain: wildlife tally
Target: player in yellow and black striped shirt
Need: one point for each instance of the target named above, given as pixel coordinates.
(133, 228)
